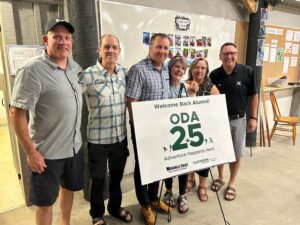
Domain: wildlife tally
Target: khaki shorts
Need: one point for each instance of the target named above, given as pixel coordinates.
(238, 133)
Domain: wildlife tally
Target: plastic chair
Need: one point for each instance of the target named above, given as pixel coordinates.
(280, 121)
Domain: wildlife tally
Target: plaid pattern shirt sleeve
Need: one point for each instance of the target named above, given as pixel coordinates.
(105, 95)
(146, 83)
(134, 83)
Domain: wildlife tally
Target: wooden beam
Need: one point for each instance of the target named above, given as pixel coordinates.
(251, 5)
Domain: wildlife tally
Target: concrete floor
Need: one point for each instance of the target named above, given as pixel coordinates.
(267, 193)
(10, 189)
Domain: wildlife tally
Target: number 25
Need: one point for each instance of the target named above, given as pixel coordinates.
(192, 133)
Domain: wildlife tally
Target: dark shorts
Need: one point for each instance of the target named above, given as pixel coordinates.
(67, 173)
(100, 154)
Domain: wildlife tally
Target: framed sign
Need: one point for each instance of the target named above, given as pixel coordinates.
(18, 55)
(181, 135)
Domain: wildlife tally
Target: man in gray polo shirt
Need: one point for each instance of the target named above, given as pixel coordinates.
(47, 86)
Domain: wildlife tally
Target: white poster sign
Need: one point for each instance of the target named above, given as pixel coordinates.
(176, 136)
(20, 54)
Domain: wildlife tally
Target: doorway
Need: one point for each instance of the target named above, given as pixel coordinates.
(11, 192)
(10, 188)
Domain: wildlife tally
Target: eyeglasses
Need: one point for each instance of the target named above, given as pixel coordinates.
(229, 53)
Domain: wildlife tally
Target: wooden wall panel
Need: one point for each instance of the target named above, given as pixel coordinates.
(241, 37)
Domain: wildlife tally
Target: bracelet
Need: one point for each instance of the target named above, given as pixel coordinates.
(252, 117)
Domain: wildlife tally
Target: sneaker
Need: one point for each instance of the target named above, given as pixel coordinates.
(148, 215)
(161, 206)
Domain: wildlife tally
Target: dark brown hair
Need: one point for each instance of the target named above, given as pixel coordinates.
(161, 35)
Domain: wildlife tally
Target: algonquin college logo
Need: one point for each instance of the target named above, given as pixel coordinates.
(181, 166)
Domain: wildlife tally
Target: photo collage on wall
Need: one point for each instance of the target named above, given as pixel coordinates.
(189, 46)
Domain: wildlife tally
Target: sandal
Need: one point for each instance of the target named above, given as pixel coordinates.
(122, 214)
(183, 206)
(230, 193)
(98, 221)
(169, 199)
(190, 184)
(216, 185)
(202, 197)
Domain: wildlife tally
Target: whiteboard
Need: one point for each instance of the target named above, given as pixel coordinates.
(129, 22)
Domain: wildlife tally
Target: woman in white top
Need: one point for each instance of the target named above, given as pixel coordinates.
(178, 89)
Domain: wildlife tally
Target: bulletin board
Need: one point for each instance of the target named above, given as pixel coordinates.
(134, 25)
(281, 53)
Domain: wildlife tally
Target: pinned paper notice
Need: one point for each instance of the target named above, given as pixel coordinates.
(288, 47)
(266, 53)
(295, 49)
(273, 55)
(271, 30)
(297, 36)
(274, 41)
(286, 62)
(289, 35)
(280, 32)
(294, 60)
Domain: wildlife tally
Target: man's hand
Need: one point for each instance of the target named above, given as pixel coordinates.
(36, 162)
(252, 123)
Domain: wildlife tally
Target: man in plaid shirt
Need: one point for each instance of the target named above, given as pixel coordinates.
(104, 87)
(148, 80)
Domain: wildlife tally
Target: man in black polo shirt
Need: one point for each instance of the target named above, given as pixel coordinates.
(237, 82)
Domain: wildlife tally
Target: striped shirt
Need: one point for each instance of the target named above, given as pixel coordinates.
(105, 97)
(146, 83)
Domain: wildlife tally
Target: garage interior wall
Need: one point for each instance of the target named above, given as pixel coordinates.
(22, 21)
